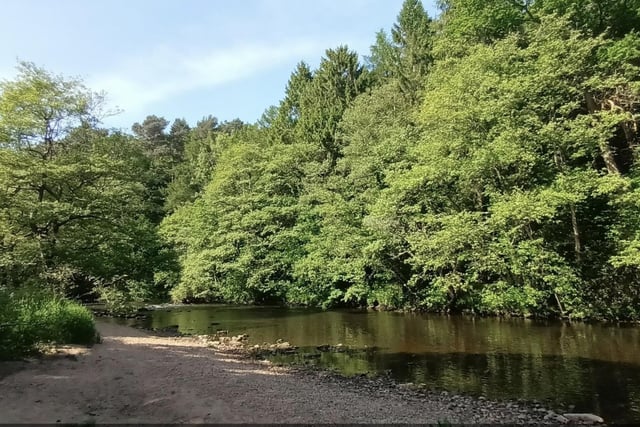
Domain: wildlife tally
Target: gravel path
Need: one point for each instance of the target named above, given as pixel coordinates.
(132, 377)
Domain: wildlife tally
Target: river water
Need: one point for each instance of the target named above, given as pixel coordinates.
(574, 367)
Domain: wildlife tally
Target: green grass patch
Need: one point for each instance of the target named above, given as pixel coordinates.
(30, 319)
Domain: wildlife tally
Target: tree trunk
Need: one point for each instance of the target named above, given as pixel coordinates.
(577, 241)
(577, 244)
(605, 149)
(559, 304)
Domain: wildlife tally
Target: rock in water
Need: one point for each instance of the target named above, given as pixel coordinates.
(589, 418)
(556, 417)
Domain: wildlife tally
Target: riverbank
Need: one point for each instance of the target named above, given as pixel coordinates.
(134, 377)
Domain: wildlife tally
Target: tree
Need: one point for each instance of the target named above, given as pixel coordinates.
(235, 240)
(348, 259)
(38, 112)
(200, 149)
(412, 36)
(70, 194)
(165, 153)
(338, 80)
(283, 127)
(152, 134)
(464, 23)
(615, 18)
(507, 207)
(178, 135)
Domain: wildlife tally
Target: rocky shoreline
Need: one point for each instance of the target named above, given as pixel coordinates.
(137, 377)
(479, 409)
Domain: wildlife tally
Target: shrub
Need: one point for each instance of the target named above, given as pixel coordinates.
(32, 318)
(122, 296)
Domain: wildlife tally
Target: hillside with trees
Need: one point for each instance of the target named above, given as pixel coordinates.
(482, 161)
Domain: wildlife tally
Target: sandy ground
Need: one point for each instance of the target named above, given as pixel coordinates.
(132, 377)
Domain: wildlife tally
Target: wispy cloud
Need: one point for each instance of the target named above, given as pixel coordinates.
(166, 71)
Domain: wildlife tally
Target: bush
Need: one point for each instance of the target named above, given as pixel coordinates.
(30, 319)
(122, 296)
(117, 302)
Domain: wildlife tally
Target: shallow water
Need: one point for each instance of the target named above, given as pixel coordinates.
(573, 367)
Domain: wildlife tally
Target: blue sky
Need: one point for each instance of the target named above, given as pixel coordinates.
(186, 58)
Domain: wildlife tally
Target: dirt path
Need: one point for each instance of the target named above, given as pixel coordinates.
(136, 378)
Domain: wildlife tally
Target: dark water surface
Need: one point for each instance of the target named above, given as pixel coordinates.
(576, 367)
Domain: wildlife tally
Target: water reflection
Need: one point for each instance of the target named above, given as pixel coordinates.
(596, 368)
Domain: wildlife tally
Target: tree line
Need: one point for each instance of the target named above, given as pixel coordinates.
(480, 161)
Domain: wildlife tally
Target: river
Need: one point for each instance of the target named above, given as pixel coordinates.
(576, 367)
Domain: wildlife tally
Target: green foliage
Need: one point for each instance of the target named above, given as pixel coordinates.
(616, 18)
(466, 23)
(407, 55)
(49, 107)
(123, 296)
(200, 149)
(234, 240)
(497, 178)
(73, 210)
(30, 318)
(484, 161)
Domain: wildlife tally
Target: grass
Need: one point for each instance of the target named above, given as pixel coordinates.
(31, 318)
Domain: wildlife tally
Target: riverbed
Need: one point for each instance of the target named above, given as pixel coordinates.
(574, 367)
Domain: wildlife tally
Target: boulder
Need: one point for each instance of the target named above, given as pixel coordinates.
(556, 417)
(283, 345)
(588, 418)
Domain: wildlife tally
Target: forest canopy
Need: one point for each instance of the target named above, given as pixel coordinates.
(484, 160)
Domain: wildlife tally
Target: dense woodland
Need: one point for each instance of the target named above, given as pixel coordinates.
(482, 161)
